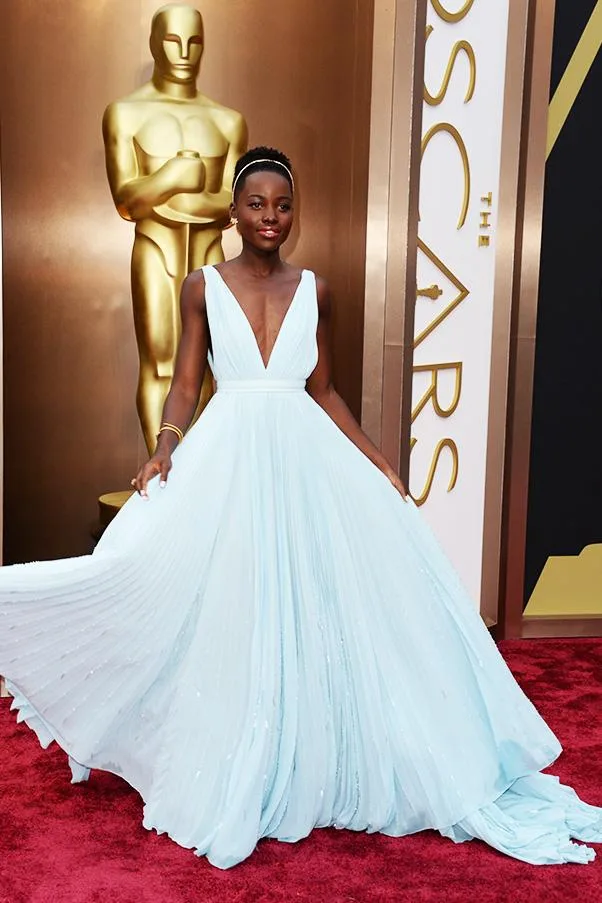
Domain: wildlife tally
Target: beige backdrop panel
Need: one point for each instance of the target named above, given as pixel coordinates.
(299, 71)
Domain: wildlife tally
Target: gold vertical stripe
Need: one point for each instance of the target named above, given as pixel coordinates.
(517, 58)
(377, 227)
(524, 312)
(397, 82)
(574, 76)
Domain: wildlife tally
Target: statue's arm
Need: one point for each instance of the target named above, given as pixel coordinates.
(238, 136)
(216, 204)
(135, 196)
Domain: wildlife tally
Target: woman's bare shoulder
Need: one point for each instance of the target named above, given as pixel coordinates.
(323, 294)
(192, 298)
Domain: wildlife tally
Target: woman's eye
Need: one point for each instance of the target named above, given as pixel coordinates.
(255, 205)
(285, 207)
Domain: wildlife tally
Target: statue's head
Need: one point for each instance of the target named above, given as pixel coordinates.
(176, 42)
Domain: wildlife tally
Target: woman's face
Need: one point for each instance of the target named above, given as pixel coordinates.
(264, 209)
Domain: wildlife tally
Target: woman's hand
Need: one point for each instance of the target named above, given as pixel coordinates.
(395, 481)
(158, 465)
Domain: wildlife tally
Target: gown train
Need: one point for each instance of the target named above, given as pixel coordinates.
(275, 641)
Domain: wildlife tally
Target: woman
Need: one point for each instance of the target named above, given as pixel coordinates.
(268, 639)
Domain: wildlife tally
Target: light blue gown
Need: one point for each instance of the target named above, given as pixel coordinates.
(275, 641)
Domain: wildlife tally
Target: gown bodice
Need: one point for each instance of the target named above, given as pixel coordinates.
(235, 355)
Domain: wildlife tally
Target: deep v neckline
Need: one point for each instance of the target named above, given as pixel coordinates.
(264, 364)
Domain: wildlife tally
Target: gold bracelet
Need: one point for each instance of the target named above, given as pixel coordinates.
(172, 428)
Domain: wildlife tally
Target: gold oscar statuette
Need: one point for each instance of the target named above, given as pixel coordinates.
(170, 156)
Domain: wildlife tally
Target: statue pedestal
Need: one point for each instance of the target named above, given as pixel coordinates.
(109, 505)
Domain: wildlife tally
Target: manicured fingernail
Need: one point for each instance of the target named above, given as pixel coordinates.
(162, 484)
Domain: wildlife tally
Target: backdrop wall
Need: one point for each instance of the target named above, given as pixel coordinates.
(565, 484)
(300, 73)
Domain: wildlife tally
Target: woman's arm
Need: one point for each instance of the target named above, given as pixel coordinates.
(321, 389)
(183, 396)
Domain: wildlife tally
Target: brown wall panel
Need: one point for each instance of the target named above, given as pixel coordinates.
(300, 73)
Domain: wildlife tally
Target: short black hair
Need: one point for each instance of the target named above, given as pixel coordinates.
(265, 159)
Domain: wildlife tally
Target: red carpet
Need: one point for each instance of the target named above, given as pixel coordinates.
(85, 844)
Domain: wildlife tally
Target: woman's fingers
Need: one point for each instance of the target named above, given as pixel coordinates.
(402, 491)
(154, 467)
(149, 471)
(396, 481)
(140, 481)
(165, 468)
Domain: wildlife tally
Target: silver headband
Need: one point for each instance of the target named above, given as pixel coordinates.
(266, 160)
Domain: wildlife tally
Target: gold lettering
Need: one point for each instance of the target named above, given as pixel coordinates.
(435, 99)
(462, 293)
(485, 224)
(443, 443)
(483, 241)
(487, 198)
(433, 292)
(451, 17)
(432, 391)
(454, 134)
